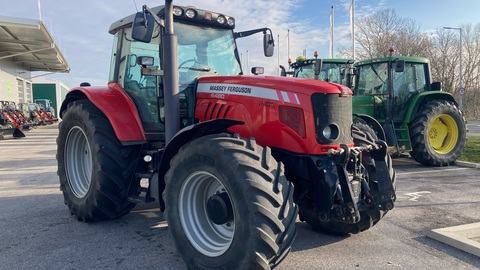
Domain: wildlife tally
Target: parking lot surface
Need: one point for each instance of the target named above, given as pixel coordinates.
(38, 232)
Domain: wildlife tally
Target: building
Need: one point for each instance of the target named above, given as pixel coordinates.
(26, 46)
(54, 90)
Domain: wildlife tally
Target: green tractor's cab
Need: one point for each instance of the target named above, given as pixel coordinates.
(335, 70)
(415, 113)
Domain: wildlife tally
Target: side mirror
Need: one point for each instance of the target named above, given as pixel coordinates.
(436, 86)
(399, 65)
(268, 45)
(257, 70)
(142, 27)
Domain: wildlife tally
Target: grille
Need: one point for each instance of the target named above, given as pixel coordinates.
(332, 109)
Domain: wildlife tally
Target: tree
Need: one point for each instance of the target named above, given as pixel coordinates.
(443, 53)
(376, 33)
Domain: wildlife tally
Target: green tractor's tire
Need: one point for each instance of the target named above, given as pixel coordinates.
(438, 134)
(362, 135)
(94, 168)
(229, 205)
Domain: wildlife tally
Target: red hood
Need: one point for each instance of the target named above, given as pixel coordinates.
(298, 85)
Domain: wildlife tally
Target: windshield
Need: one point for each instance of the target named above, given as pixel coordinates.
(202, 51)
(205, 51)
(330, 72)
(373, 79)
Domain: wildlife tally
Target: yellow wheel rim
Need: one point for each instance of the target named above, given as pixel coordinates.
(443, 134)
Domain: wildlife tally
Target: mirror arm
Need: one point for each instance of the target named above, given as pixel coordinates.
(159, 21)
(251, 32)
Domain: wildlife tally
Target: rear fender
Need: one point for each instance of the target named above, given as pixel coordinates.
(423, 98)
(117, 107)
(185, 135)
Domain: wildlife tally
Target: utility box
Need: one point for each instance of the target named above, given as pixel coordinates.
(54, 90)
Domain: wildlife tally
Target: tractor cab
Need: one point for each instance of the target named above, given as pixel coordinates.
(335, 70)
(206, 46)
(410, 76)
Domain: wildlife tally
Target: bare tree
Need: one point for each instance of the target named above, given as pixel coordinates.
(378, 32)
(443, 53)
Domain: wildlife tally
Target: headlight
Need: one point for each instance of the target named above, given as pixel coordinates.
(221, 19)
(327, 132)
(231, 21)
(191, 13)
(330, 132)
(177, 11)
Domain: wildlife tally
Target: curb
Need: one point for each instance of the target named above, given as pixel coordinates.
(464, 237)
(468, 164)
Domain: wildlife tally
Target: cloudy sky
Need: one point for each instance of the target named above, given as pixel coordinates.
(80, 28)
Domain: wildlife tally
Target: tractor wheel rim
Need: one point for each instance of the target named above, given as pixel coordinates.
(208, 238)
(443, 134)
(78, 162)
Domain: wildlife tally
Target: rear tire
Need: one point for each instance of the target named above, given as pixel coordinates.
(258, 229)
(94, 168)
(362, 135)
(438, 134)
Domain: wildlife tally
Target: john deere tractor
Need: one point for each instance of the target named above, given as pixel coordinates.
(416, 115)
(412, 114)
(219, 151)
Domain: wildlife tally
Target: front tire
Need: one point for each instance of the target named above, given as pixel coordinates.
(94, 168)
(438, 134)
(229, 205)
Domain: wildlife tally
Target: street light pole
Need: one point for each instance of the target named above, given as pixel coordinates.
(461, 79)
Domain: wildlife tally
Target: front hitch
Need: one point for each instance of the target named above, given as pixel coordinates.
(385, 198)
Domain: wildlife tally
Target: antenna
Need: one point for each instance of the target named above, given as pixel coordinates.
(134, 3)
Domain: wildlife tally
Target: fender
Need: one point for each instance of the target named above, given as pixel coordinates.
(117, 107)
(185, 135)
(423, 98)
(373, 123)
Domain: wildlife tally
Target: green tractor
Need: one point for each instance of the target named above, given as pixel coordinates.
(395, 97)
(336, 70)
(416, 115)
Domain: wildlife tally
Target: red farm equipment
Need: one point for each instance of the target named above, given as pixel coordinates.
(222, 151)
(9, 127)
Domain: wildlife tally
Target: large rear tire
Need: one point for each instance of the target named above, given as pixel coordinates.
(94, 168)
(362, 135)
(438, 134)
(229, 205)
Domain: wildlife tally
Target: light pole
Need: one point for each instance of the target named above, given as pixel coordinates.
(461, 82)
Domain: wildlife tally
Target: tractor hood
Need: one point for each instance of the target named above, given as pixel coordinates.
(242, 84)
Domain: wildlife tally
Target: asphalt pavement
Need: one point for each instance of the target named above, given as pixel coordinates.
(38, 232)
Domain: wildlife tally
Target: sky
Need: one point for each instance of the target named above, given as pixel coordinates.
(80, 28)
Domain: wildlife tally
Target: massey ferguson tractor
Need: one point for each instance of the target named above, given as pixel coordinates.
(222, 151)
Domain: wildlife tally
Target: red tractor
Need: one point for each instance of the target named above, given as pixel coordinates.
(222, 151)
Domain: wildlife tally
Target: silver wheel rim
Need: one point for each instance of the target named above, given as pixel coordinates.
(78, 162)
(207, 237)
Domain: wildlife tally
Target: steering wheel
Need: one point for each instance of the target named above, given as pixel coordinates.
(187, 61)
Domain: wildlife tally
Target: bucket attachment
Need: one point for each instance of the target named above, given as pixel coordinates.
(10, 133)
